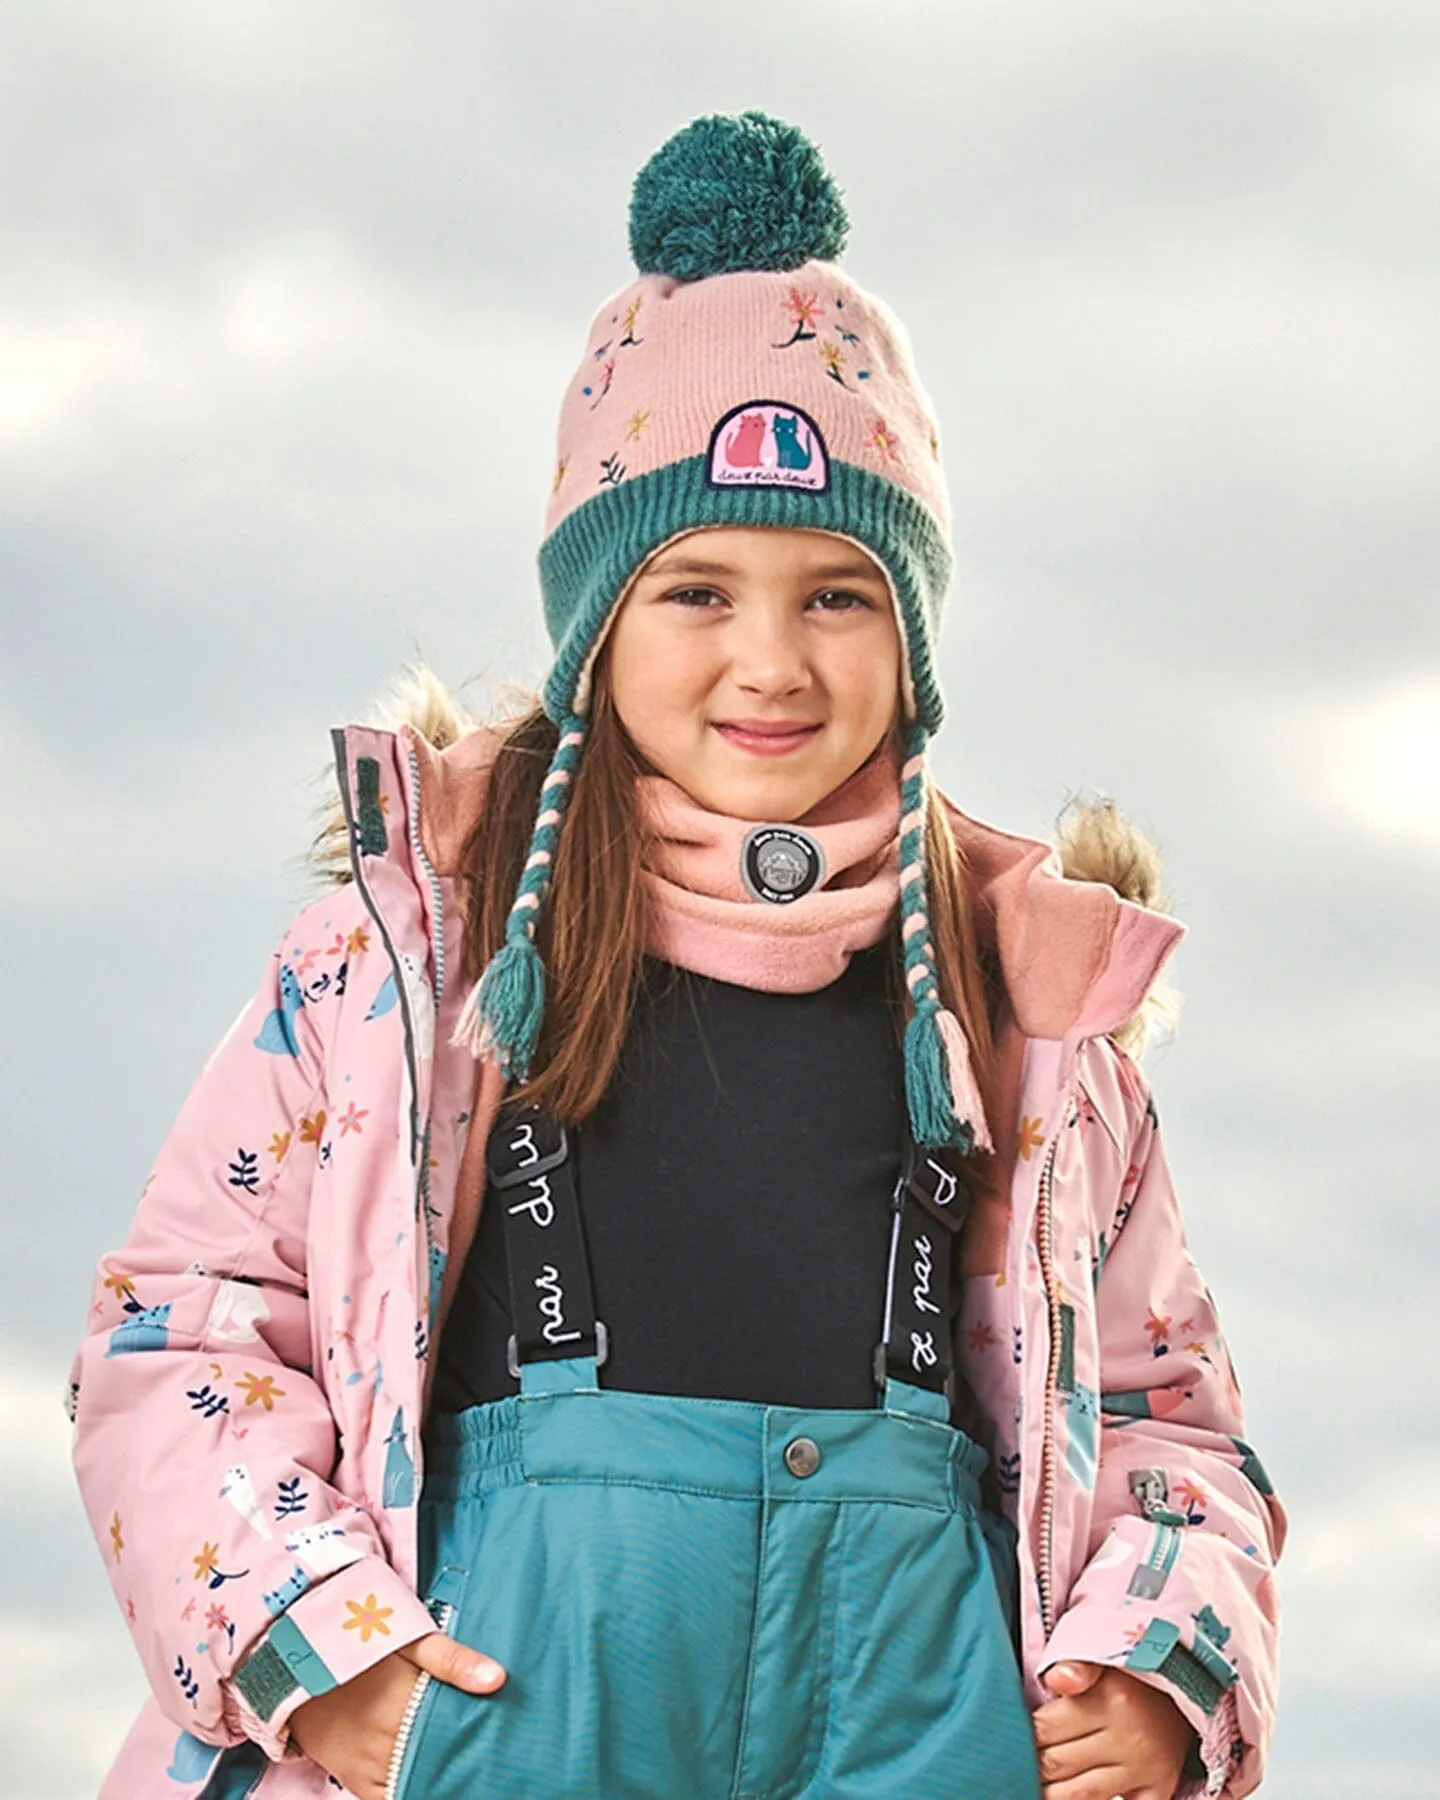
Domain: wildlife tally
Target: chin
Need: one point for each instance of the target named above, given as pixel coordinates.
(776, 802)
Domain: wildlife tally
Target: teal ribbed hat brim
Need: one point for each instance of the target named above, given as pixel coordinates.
(588, 560)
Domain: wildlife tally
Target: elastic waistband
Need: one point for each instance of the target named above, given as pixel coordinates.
(731, 1449)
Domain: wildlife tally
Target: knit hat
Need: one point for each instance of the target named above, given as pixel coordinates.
(742, 379)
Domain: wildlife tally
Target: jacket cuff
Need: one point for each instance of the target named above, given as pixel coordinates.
(1199, 1681)
(326, 1637)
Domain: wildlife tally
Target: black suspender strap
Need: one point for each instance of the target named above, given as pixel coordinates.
(928, 1208)
(552, 1307)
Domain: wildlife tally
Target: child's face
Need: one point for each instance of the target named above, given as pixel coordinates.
(756, 666)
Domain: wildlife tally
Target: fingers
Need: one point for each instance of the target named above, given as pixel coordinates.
(1058, 1721)
(1095, 1784)
(455, 1664)
(1079, 1756)
(1072, 1678)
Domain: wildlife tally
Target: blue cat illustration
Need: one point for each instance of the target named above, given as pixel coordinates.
(1082, 1451)
(277, 1034)
(146, 1330)
(437, 1277)
(399, 1488)
(385, 1000)
(191, 1759)
(787, 444)
(290, 1589)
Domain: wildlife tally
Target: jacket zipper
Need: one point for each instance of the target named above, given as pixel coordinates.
(437, 932)
(342, 775)
(1045, 1245)
(437, 988)
(443, 1615)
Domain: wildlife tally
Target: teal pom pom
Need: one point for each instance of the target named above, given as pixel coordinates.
(927, 1087)
(511, 1005)
(735, 191)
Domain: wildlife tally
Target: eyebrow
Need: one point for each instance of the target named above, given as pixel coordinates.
(845, 571)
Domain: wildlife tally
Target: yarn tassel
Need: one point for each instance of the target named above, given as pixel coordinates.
(503, 1015)
(934, 1120)
(965, 1098)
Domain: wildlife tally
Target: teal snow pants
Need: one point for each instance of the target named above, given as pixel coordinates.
(713, 1600)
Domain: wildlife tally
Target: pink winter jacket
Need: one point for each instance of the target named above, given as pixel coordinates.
(249, 1396)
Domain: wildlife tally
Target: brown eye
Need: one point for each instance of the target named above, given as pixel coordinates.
(842, 600)
(699, 598)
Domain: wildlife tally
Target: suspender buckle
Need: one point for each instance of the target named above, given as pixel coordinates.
(527, 1143)
(602, 1350)
(935, 1181)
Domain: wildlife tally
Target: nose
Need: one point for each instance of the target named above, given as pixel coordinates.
(768, 656)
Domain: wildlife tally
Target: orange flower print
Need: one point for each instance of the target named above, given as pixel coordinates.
(122, 1286)
(982, 1336)
(802, 308)
(358, 940)
(206, 1562)
(115, 1535)
(279, 1144)
(312, 1128)
(1196, 1347)
(560, 468)
(883, 439)
(636, 424)
(1032, 1136)
(1157, 1329)
(1190, 1495)
(369, 1618)
(130, 1609)
(833, 358)
(260, 1388)
(632, 313)
(351, 1117)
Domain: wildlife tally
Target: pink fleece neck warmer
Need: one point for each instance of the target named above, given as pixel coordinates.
(703, 918)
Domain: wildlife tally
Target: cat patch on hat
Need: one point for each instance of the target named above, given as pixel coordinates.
(767, 443)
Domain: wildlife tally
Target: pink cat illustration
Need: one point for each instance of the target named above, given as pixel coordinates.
(742, 447)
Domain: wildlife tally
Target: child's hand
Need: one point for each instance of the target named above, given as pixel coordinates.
(351, 1730)
(1108, 1736)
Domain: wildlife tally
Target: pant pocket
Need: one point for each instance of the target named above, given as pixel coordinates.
(447, 1590)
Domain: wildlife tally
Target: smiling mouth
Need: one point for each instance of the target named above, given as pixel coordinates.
(763, 738)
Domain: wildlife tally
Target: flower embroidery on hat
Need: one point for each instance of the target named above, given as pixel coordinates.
(883, 440)
(833, 338)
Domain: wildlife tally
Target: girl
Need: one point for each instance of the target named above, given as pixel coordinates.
(672, 1287)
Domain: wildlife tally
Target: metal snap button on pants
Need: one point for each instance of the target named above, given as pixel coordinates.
(714, 1599)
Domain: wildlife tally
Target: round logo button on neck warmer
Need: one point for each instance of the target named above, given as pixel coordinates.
(780, 863)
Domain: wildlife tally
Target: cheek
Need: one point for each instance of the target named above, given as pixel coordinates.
(659, 678)
(864, 681)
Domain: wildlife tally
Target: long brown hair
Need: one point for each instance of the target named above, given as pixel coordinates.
(592, 931)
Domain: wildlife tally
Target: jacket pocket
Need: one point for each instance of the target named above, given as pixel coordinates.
(443, 1602)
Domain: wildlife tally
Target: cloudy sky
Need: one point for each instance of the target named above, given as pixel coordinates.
(288, 297)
